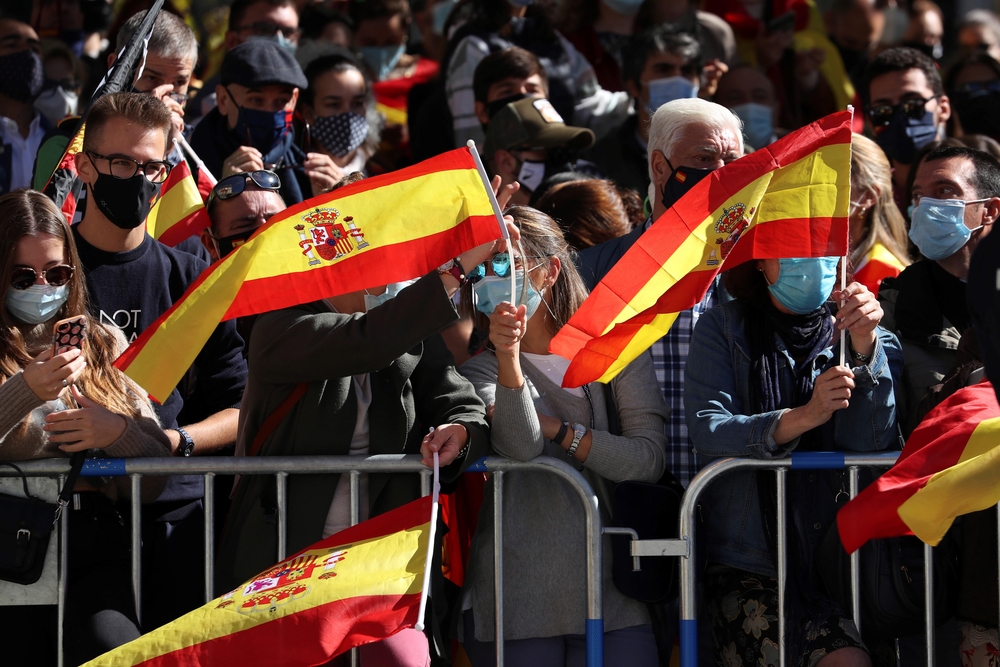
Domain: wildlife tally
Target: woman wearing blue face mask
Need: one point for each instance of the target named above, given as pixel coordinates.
(38, 419)
(763, 380)
(338, 110)
(533, 415)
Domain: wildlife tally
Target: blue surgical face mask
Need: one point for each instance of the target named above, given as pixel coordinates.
(440, 14)
(492, 290)
(757, 124)
(391, 290)
(804, 284)
(904, 136)
(666, 90)
(38, 303)
(382, 59)
(937, 226)
(626, 7)
(278, 39)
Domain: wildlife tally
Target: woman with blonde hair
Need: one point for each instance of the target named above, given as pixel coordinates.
(52, 405)
(878, 230)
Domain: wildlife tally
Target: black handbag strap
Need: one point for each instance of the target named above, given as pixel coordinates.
(66, 493)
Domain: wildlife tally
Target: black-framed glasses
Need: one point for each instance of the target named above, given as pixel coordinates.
(500, 263)
(125, 168)
(881, 115)
(57, 276)
(268, 28)
(233, 186)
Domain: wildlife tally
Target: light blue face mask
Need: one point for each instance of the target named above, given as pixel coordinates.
(38, 303)
(391, 290)
(757, 125)
(626, 7)
(278, 39)
(440, 14)
(382, 59)
(937, 226)
(804, 284)
(492, 290)
(666, 90)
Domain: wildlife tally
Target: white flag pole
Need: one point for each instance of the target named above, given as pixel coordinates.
(191, 155)
(843, 264)
(471, 145)
(430, 544)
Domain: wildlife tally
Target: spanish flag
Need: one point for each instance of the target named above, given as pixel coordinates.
(876, 267)
(180, 210)
(358, 586)
(950, 466)
(789, 199)
(374, 232)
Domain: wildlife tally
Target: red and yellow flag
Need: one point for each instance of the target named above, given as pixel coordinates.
(789, 199)
(180, 211)
(950, 466)
(377, 231)
(876, 267)
(358, 586)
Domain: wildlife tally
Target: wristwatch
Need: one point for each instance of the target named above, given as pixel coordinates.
(454, 267)
(186, 447)
(579, 430)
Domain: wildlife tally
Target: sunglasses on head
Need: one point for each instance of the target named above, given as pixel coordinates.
(882, 114)
(235, 185)
(25, 277)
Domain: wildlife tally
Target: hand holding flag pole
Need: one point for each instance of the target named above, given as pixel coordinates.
(843, 269)
(435, 495)
(498, 211)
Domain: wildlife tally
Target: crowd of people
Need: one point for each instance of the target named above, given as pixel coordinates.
(592, 118)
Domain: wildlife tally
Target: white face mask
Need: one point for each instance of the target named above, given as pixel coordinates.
(38, 303)
(56, 103)
(531, 175)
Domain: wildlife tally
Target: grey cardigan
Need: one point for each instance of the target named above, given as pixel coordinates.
(545, 583)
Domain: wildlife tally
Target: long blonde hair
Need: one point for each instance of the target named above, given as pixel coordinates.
(27, 213)
(884, 223)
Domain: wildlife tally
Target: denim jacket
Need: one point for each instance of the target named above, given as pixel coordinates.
(715, 393)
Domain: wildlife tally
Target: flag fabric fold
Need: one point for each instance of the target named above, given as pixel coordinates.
(789, 199)
(358, 586)
(180, 211)
(950, 466)
(374, 232)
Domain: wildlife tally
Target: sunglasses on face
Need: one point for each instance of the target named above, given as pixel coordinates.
(882, 114)
(25, 277)
(500, 264)
(235, 185)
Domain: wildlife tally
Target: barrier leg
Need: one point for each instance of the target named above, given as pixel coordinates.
(281, 479)
(781, 474)
(498, 566)
(137, 544)
(63, 576)
(929, 602)
(595, 642)
(855, 562)
(209, 503)
(689, 642)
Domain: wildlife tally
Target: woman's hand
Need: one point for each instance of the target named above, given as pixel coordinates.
(47, 376)
(86, 428)
(507, 327)
(504, 194)
(322, 171)
(447, 440)
(831, 392)
(860, 314)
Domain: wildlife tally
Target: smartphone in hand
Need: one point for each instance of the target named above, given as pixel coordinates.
(68, 334)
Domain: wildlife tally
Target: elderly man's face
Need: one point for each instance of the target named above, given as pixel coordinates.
(237, 218)
(697, 147)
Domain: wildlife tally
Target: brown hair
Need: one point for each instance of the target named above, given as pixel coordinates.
(540, 238)
(589, 212)
(144, 110)
(503, 64)
(884, 223)
(27, 213)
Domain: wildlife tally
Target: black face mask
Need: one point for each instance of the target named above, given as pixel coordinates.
(853, 59)
(496, 106)
(978, 113)
(21, 76)
(125, 201)
(680, 181)
(226, 245)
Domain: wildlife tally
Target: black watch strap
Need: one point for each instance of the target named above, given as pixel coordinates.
(561, 435)
(186, 447)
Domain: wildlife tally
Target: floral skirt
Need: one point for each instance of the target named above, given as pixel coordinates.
(743, 609)
(979, 646)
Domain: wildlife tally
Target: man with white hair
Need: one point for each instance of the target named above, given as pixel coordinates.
(688, 138)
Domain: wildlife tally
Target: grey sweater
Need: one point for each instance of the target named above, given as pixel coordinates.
(545, 567)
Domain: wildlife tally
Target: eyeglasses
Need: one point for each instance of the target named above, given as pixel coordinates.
(980, 88)
(25, 277)
(500, 263)
(125, 168)
(180, 98)
(268, 28)
(233, 186)
(882, 114)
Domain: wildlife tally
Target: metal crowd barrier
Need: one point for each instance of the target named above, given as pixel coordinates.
(281, 467)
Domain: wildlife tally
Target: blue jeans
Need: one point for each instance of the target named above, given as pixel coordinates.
(633, 646)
